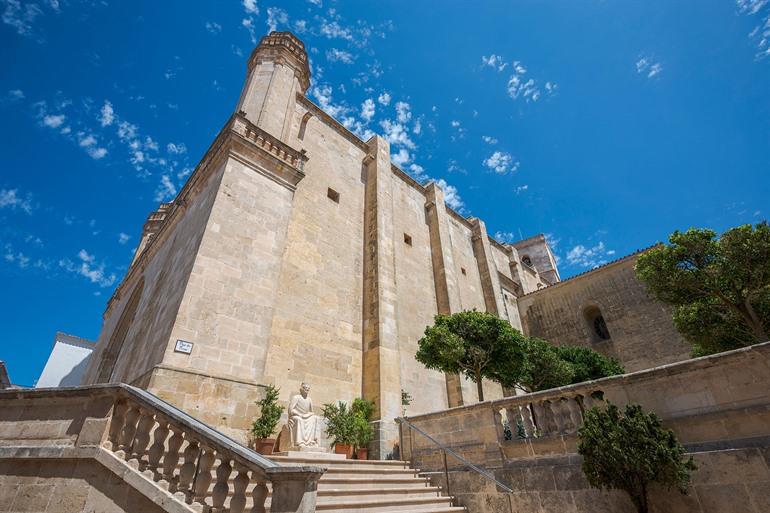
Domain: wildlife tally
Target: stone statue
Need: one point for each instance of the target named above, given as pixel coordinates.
(304, 425)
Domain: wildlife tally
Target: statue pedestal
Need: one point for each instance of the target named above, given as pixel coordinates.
(320, 453)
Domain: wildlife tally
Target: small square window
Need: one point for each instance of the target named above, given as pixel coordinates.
(462, 270)
(333, 195)
(408, 239)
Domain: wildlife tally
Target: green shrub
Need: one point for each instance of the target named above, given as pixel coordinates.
(631, 450)
(340, 423)
(270, 414)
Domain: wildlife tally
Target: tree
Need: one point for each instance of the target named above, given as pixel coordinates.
(543, 367)
(270, 414)
(477, 344)
(588, 364)
(719, 287)
(549, 366)
(629, 451)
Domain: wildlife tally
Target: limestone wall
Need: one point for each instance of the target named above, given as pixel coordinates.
(642, 334)
(719, 406)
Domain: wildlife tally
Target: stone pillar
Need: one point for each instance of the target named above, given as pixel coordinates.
(444, 274)
(490, 282)
(293, 491)
(277, 70)
(381, 359)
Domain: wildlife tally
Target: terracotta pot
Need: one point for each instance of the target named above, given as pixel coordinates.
(362, 453)
(264, 446)
(345, 449)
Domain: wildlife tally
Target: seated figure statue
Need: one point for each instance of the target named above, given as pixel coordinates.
(304, 426)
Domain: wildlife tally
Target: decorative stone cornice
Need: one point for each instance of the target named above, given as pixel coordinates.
(283, 48)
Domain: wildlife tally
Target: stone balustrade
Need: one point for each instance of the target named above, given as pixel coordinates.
(198, 465)
(708, 401)
(267, 142)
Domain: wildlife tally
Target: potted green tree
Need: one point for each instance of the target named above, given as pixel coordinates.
(341, 427)
(263, 428)
(363, 429)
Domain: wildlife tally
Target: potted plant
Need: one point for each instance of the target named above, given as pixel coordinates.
(340, 426)
(363, 431)
(263, 428)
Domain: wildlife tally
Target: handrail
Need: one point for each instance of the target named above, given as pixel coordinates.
(445, 450)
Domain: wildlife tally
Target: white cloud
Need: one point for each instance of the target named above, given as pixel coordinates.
(176, 149)
(10, 198)
(54, 121)
(645, 66)
(455, 123)
(489, 139)
(501, 162)
(333, 30)
(401, 158)
(107, 114)
(275, 17)
(494, 62)
(87, 267)
(451, 196)
(403, 112)
(166, 190)
(418, 172)
(248, 24)
(123, 238)
(213, 27)
(15, 257)
(505, 237)
(367, 110)
(396, 134)
(760, 35)
(586, 257)
(384, 98)
(250, 6)
(521, 86)
(21, 17)
(323, 93)
(14, 95)
(317, 3)
(521, 188)
(336, 55)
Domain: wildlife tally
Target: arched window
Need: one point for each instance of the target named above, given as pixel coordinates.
(526, 260)
(596, 324)
(115, 344)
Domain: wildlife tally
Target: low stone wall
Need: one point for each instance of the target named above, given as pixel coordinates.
(718, 405)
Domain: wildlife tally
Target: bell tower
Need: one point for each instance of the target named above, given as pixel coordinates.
(277, 70)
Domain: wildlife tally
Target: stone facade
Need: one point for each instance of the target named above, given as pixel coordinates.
(639, 330)
(297, 252)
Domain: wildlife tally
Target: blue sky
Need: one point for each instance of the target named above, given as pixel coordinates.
(604, 124)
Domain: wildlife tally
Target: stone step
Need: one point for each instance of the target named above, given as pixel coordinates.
(322, 461)
(369, 471)
(379, 505)
(369, 494)
(372, 482)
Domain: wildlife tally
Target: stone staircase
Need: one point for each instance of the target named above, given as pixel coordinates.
(374, 486)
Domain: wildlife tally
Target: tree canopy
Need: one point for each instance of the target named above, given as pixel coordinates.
(477, 344)
(629, 451)
(719, 286)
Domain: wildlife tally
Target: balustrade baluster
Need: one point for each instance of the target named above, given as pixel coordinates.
(222, 486)
(540, 418)
(241, 481)
(158, 446)
(142, 437)
(171, 459)
(259, 493)
(128, 432)
(203, 477)
(558, 415)
(574, 413)
(116, 425)
(187, 472)
(526, 419)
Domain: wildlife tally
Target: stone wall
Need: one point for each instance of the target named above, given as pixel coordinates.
(66, 486)
(719, 406)
(642, 334)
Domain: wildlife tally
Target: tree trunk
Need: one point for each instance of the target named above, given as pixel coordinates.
(756, 322)
(480, 388)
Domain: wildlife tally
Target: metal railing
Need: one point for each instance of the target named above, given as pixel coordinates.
(446, 450)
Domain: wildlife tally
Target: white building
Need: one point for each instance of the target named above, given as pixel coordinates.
(67, 362)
